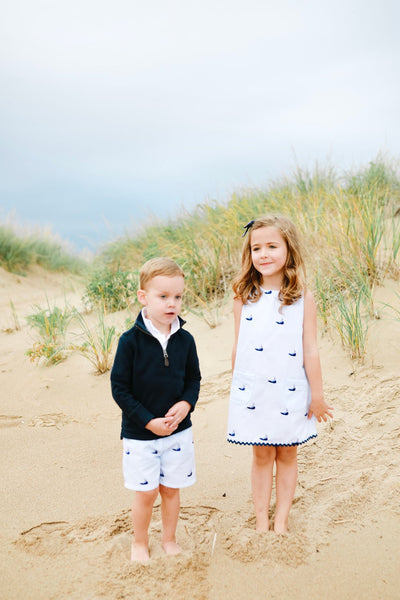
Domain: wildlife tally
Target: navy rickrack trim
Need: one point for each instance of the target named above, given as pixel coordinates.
(260, 444)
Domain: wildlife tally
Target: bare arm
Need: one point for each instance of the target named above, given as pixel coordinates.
(237, 311)
(312, 364)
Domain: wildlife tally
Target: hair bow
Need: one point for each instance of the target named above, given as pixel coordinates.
(247, 227)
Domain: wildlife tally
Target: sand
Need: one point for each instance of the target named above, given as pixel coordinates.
(65, 513)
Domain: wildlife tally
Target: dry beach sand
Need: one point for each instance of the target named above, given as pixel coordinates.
(65, 515)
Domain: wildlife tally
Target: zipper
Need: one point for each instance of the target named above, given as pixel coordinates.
(165, 353)
(166, 359)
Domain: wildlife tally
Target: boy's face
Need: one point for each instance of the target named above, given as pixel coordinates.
(163, 299)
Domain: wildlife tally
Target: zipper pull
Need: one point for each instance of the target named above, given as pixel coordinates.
(166, 359)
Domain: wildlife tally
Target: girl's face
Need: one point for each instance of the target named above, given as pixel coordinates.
(269, 254)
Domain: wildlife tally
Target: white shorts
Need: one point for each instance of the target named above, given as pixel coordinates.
(167, 461)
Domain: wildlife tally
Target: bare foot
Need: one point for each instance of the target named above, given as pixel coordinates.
(262, 524)
(171, 548)
(139, 553)
(280, 528)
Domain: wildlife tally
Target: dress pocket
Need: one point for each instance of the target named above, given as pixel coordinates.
(295, 397)
(242, 389)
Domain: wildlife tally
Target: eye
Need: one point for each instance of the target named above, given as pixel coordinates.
(178, 297)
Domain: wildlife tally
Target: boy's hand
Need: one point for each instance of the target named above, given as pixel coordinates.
(177, 413)
(160, 426)
(320, 409)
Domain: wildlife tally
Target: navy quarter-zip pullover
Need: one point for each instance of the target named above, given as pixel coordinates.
(146, 381)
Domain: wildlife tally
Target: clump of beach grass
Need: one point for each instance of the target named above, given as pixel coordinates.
(22, 249)
(96, 341)
(51, 325)
(351, 317)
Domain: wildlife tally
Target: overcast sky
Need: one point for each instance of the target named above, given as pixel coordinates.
(111, 111)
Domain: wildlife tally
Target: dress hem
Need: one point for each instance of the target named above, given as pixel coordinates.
(264, 444)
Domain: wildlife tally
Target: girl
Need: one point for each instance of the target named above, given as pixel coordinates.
(276, 393)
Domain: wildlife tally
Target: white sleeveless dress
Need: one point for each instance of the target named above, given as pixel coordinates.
(270, 393)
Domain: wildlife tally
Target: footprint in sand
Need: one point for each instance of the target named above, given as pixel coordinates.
(51, 420)
(11, 420)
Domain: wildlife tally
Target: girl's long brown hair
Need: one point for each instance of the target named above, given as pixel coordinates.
(246, 285)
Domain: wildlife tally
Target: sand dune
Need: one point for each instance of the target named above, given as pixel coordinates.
(65, 514)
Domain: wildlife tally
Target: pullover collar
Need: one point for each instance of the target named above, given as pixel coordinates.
(161, 337)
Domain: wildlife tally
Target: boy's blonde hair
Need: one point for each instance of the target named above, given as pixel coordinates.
(158, 266)
(246, 285)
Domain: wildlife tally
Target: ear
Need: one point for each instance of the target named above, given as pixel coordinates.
(141, 295)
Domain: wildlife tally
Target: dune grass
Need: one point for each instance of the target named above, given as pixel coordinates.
(51, 326)
(19, 251)
(350, 230)
(97, 341)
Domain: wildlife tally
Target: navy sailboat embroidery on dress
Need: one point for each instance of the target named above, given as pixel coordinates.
(282, 322)
(267, 291)
(292, 353)
(260, 349)
(272, 380)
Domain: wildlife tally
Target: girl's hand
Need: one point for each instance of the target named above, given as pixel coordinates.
(320, 409)
(177, 413)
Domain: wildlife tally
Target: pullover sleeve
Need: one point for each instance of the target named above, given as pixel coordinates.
(121, 384)
(192, 377)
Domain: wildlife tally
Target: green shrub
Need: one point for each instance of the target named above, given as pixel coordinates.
(109, 290)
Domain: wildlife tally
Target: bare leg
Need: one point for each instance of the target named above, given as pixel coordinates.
(261, 483)
(141, 517)
(286, 479)
(170, 505)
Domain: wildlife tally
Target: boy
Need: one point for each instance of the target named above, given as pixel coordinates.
(155, 380)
